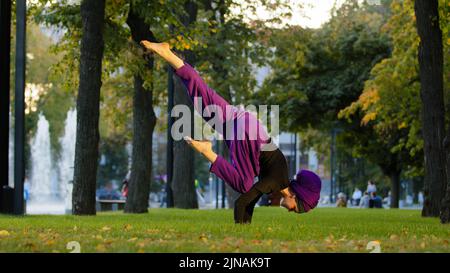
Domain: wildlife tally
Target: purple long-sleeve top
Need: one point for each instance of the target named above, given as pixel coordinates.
(245, 142)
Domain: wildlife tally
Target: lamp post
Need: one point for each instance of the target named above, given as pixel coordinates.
(5, 50)
(333, 159)
(169, 163)
(332, 164)
(19, 137)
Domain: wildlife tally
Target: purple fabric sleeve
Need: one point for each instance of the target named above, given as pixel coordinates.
(225, 171)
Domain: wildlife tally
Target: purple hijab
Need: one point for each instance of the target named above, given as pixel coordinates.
(306, 187)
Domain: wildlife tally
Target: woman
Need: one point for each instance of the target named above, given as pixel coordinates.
(251, 155)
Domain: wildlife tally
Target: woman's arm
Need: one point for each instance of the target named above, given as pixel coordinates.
(221, 167)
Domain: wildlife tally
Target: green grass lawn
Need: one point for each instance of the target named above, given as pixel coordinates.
(272, 230)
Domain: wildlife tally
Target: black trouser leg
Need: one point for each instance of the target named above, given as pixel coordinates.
(244, 205)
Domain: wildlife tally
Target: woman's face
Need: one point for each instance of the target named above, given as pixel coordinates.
(289, 202)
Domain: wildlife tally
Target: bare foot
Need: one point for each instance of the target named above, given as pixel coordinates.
(163, 50)
(158, 48)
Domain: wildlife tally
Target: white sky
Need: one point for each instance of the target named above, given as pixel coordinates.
(313, 13)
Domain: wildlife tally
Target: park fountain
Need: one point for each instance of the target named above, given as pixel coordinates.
(50, 190)
(43, 192)
(65, 165)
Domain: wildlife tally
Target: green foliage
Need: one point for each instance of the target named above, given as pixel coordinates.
(390, 102)
(316, 73)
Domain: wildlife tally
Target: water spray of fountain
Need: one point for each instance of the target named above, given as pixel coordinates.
(66, 163)
(42, 194)
(50, 181)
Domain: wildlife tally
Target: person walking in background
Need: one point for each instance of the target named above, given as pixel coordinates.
(341, 200)
(125, 183)
(387, 200)
(356, 197)
(364, 203)
(420, 198)
(371, 187)
(26, 189)
(375, 201)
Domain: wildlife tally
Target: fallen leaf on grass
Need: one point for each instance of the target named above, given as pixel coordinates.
(50, 242)
(141, 244)
(153, 231)
(127, 227)
(101, 247)
(256, 242)
(393, 237)
(4, 233)
(331, 247)
(30, 245)
(203, 238)
(312, 249)
(106, 228)
(132, 239)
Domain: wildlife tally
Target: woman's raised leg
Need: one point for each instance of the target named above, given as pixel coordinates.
(211, 102)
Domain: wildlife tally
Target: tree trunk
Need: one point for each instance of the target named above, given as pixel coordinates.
(445, 209)
(88, 103)
(432, 95)
(144, 121)
(395, 189)
(183, 180)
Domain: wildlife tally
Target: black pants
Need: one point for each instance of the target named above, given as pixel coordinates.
(273, 176)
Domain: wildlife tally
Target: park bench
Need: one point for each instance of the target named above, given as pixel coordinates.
(107, 205)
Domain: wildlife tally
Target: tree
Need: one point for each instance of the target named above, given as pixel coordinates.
(445, 209)
(88, 101)
(389, 108)
(144, 121)
(445, 18)
(183, 182)
(432, 95)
